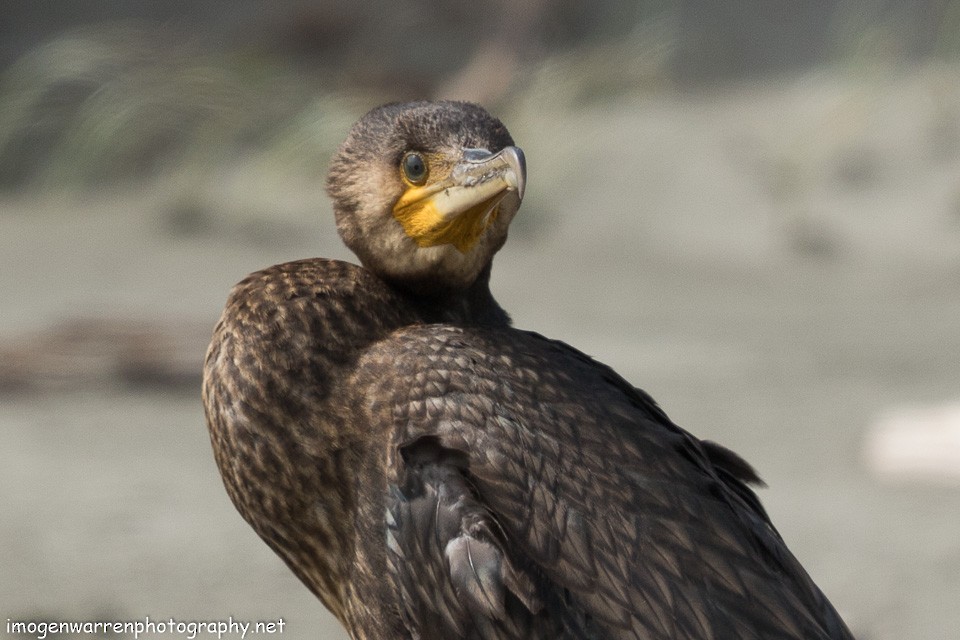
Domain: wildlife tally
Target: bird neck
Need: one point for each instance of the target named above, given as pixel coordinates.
(474, 305)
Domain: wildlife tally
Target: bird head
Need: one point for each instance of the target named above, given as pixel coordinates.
(424, 192)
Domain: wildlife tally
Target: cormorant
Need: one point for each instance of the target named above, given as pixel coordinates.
(428, 471)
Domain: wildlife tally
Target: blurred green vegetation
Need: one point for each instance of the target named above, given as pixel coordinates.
(105, 93)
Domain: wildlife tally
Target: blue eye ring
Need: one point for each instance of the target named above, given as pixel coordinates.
(414, 168)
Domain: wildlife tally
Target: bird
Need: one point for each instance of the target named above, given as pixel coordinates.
(429, 471)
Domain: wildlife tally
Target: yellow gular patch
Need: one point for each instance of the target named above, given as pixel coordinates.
(428, 228)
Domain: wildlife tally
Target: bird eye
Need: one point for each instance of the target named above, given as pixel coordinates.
(414, 168)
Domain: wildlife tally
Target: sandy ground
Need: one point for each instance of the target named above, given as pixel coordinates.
(777, 265)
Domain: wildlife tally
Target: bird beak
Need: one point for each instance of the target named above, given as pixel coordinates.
(458, 208)
(485, 173)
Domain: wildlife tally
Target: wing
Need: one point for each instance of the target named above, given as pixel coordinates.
(448, 557)
(536, 490)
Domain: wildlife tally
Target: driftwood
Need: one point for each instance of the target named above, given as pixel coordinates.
(97, 353)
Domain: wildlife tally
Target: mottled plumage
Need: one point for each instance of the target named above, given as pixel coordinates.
(431, 472)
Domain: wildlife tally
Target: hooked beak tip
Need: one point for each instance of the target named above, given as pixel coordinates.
(517, 177)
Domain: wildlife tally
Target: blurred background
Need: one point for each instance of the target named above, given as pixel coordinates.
(751, 210)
